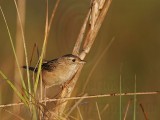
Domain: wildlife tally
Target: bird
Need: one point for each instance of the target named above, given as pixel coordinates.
(60, 70)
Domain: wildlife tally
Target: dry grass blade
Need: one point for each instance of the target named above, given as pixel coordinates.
(70, 118)
(19, 50)
(12, 104)
(32, 53)
(16, 116)
(78, 43)
(99, 115)
(25, 101)
(43, 51)
(24, 45)
(90, 37)
(101, 96)
(86, 97)
(80, 114)
(52, 17)
(14, 52)
(94, 13)
(97, 62)
(47, 30)
(126, 111)
(145, 114)
(105, 108)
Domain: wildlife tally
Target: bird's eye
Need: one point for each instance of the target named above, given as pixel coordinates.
(73, 60)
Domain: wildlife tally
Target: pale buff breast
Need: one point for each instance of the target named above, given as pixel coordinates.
(58, 76)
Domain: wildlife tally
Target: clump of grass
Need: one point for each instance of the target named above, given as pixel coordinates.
(28, 97)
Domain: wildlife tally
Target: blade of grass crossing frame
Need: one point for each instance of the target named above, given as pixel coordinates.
(14, 52)
(14, 89)
(25, 50)
(43, 51)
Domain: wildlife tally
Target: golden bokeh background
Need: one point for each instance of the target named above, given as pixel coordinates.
(135, 24)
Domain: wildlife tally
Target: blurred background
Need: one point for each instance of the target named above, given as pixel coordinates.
(135, 24)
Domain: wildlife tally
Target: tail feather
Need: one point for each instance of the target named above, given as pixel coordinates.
(30, 68)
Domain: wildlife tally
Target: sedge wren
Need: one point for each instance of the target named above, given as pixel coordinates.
(60, 70)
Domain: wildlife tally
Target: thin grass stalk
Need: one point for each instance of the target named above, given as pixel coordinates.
(102, 96)
(135, 98)
(32, 53)
(126, 111)
(47, 30)
(96, 64)
(52, 16)
(41, 97)
(32, 107)
(78, 43)
(91, 37)
(79, 111)
(41, 57)
(34, 112)
(86, 97)
(120, 98)
(105, 108)
(19, 51)
(25, 101)
(70, 117)
(144, 113)
(25, 50)
(0, 98)
(99, 115)
(43, 51)
(14, 52)
(15, 116)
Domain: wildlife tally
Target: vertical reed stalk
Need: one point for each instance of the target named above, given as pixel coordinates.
(88, 42)
(19, 49)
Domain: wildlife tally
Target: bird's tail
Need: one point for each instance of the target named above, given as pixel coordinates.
(30, 68)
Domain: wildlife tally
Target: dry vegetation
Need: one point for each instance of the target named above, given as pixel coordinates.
(83, 45)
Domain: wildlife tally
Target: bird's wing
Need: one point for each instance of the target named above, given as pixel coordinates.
(49, 65)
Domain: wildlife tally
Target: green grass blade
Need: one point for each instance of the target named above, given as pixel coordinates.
(120, 99)
(38, 73)
(14, 52)
(24, 45)
(14, 89)
(43, 51)
(135, 99)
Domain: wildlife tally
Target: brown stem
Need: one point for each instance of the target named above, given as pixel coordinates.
(91, 35)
